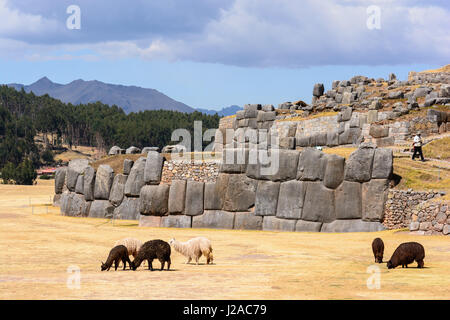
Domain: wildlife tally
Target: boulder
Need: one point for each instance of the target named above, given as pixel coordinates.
(128, 209)
(57, 200)
(318, 205)
(372, 116)
(311, 165)
(148, 149)
(332, 138)
(359, 165)
(153, 168)
(103, 182)
(308, 226)
(133, 150)
(127, 165)
(354, 225)
(194, 198)
(374, 197)
(60, 178)
(101, 209)
(177, 195)
(79, 187)
(247, 221)
(115, 150)
(180, 221)
(414, 226)
(271, 223)
(290, 199)
(117, 189)
(334, 172)
(135, 179)
(214, 219)
(240, 194)
(395, 95)
(89, 183)
(348, 201)
(266, 198)
(382, 163)
(318, 90)
(378, 131)
(154, 200)
(75, 168)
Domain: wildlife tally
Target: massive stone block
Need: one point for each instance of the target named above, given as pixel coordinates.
(101, 209)
(377, 131)
(247, 221)
(89, 183)
(382, 164)
(128, 209)
(57, 200)
(348, 201)
(240, 194)
(103, 182)
(355, 225)
(318, 205)
(75, 168)
(359, 165)
(150, 221)
(212, 199)
(74, 205)
(153, 168)
(117, 189)
(220, 189)
(374, 196)
(308, 226)
(286, 167)
(177, 195)
(214, 219)
(154, 200)
(332, 138)
(135, 180)
(79, 187)
(194, 198)
(271, 223)
(180, 221)
(267, 198)
(334, 172)
(127, 165)
(234, 160)
(311, 165)
(60, 178)
(290, 199)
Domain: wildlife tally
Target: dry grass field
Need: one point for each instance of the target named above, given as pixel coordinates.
(37, 247)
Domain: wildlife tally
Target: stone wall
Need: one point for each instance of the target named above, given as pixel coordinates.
(402, 207)
(204, 171)
(306, 191)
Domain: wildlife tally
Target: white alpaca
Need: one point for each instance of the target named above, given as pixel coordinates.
(133, 245)
(194, 248)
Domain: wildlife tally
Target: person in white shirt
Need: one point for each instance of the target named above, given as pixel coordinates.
(417, 144)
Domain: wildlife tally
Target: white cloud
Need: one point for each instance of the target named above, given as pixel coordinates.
(262, 33)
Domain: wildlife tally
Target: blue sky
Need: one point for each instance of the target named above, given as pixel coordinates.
(212, 54)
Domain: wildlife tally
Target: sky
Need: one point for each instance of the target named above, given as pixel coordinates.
(216, 53)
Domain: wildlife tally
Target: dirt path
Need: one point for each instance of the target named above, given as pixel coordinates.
(37, 249)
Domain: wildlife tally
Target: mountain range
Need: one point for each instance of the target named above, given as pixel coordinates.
(129, 98)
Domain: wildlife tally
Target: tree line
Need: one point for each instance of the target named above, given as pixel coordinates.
(23, 115)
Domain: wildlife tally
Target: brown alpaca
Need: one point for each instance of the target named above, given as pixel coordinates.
(378, 250)
(117, 254)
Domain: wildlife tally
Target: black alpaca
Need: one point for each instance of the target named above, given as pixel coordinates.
(154, 249)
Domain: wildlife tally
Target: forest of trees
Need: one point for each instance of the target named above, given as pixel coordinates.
(23, 115)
